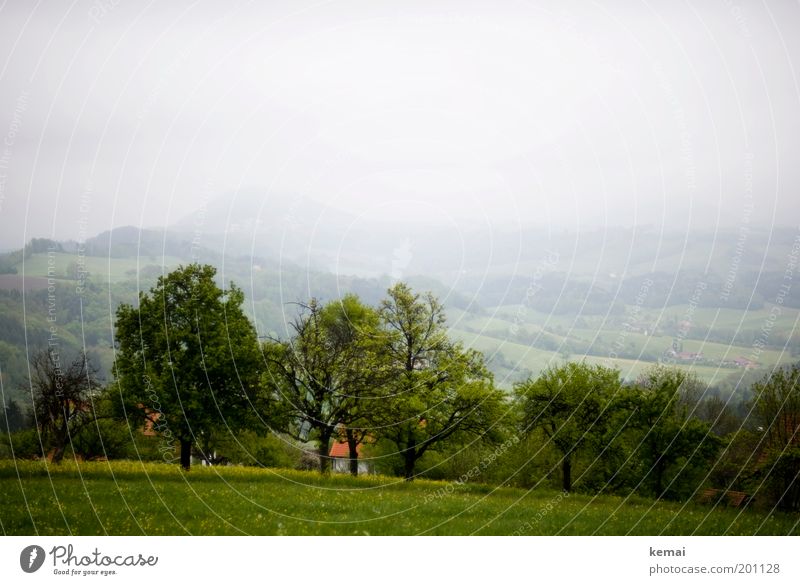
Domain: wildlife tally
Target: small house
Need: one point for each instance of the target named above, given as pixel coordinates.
(745, 363)
(340, 459)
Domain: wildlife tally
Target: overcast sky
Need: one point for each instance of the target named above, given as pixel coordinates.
(560, 113)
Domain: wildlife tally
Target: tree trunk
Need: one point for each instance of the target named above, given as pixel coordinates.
(186, 454)
(58, 453)
(566, 474)
(352, 445)
(324, 457)
(410, 464)
(659, 479)
(410, 456)
(59, 445)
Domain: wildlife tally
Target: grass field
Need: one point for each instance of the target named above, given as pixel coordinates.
(131, 498)
(101, 269)
(537, 360)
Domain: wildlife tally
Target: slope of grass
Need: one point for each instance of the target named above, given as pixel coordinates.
(131, 498)
(100, 269)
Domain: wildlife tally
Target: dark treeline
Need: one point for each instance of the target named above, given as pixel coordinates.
(194, 379)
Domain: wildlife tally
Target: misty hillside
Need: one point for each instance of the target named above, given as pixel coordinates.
(479, 261)
(624, 297)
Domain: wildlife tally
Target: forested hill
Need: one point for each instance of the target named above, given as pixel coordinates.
(67, 294)
(542, 297)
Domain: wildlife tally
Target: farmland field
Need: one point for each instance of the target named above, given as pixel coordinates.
(598, 338)
(101, 269)
(18, 282)
(132, 498)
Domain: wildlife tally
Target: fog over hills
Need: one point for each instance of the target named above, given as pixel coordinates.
(492, 265)
(551, 114)
(303, 232)
(559, 174)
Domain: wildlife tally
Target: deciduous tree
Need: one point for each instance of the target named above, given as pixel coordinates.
(776, 405)
(62, 397)
(572, 405)
(438, 389)
(671, 440)
(188, 353)
(327, 376)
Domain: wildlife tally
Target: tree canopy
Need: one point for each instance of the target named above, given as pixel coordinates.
(187, 354)
(571, 405)
(327, 376)
(670, 442)
(62, 397)
(776, 406)
(438, 389)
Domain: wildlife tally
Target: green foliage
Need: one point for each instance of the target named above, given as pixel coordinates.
(778, 478)
(571, 406)
(644, 437)
(106, 436)
(13, 418)
(649, 438)
(189, 353)
(328, 374)
(438, 390)
(42, 245)
(25, 444)
(9, 261)
(735, 466)
(250, 448)
(776, 405)
(673, 449)
(530, 462)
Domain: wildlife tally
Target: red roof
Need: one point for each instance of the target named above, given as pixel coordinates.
(339, 449)
(150, 419)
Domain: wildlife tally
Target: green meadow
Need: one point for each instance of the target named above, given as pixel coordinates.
(133, 498)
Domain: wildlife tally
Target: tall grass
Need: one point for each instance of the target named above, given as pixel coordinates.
(132, 498)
